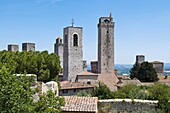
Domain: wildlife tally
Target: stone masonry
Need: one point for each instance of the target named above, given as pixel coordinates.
(126, 106)
(58, 49)
(13, 47)
(106, 52)
(73, 53)
(140, 59)
(28, 46)
(106, 45)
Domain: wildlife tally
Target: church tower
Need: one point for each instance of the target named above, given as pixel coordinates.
(73, 53)
(106, 45)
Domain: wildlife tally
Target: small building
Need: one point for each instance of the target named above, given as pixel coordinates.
(87, 77)
(53, 86)
(28, 46)
(72, 88)
(13, 47)
(159, 67)
(94, 66)
(75, 104)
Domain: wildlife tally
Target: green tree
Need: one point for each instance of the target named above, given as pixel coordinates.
(46, 66)
(15, 94)
(132, 91)
(147, 73)
(161, 92)
(49, 103)
(102, 91)
(144, 72)
(134, 71)
(83, 93)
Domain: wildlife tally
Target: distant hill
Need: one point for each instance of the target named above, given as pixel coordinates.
(124, 69)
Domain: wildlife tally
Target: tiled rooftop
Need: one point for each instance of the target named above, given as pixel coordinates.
(74, 85)
(134, 81)
(83, 104)
(88, 73)
(110, 80)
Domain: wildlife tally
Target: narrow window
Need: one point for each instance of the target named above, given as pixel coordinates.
(65, 91)
(75, 90)
(65, 39)
(75, 40)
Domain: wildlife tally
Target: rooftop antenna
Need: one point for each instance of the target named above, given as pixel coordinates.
(72, 22)
(110, 16)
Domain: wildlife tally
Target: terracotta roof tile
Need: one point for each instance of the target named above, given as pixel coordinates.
(134, 81)
(74, 85)
(110, 80)
(84, 104)
(87, 73)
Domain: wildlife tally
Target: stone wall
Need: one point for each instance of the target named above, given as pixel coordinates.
(106, 45)
(73, 54)
(126, 106)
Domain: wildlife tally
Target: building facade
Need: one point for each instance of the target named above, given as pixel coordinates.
(73, 53)
(106, 45)
(28, 46)
(58, 49)
(159, 67)
(94, 66)
(13, 47)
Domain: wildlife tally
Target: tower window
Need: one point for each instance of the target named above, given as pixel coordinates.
(75, 40)
(65, 39)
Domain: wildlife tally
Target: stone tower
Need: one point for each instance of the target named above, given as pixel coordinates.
(73, 53)
(140, 59)
(13, 47)
(28, 46)
(106, 45)
(58, 49)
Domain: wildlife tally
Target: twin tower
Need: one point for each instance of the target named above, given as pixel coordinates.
(71, 50)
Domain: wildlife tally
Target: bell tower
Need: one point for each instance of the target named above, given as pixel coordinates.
(73, 53)
(106, 45)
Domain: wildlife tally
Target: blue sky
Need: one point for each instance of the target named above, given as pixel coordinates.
(141, 26)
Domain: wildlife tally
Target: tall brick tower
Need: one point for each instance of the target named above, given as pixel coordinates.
(73, 53)
(106, 45)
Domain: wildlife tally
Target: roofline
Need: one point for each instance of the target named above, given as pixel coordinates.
(78, 87)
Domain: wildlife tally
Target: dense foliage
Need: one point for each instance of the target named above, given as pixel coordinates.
(49, 103)
(144, 72)
(46, 66)
(158, 91)
(16, 96)
(101, 91)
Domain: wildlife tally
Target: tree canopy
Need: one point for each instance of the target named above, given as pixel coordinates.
(102, 91)
(46, 66)
(16, 96)
(144, 72)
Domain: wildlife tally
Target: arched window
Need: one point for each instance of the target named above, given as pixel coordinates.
(75, 40)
